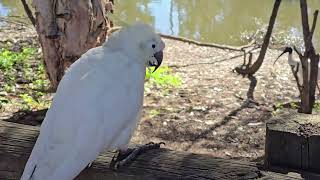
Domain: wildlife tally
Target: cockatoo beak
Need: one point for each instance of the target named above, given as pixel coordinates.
(158, 56)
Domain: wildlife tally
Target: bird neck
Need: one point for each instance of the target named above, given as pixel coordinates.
(290, 59)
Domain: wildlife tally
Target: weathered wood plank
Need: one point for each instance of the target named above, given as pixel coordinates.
(16, 143)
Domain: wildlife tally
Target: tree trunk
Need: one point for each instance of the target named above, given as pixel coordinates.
(255, 67)
(309, 85)
(67, 29)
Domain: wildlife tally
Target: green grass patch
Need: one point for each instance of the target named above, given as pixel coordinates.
(34, 101)
(11, 62)
(154, 113)
(22, 64)
(25, 80)
(9, 59)
(24, 77)
(316, 106)
(163, 77)
(292, 105)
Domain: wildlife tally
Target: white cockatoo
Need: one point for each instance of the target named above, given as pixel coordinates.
(97, 105)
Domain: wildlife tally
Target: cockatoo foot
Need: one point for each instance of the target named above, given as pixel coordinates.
(125, 157)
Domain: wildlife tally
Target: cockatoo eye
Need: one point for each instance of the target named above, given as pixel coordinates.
(153, 46)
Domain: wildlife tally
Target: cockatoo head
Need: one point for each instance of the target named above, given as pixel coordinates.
(140, 41)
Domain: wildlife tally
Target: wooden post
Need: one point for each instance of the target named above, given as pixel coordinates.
(292, 140)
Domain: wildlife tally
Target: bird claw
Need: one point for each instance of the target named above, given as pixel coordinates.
(114, 164)
(123, 158)
(152, 145)
(89, 165)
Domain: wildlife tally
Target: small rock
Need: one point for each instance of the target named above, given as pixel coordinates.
(240, 128)
(217, 89)
(209, 122)
(254, 124)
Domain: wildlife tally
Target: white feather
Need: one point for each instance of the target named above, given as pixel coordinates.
(96, 107)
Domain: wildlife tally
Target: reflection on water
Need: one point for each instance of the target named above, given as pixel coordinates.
(12, 8)
(219, 21)
(4, 11)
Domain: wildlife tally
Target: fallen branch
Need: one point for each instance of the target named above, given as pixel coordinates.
(211, 62)
(198, 43)
(225, 47)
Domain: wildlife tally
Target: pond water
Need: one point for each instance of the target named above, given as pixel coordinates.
(218, 21)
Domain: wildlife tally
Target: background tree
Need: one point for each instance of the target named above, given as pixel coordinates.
(134, 10)
(67, 29)
(250, 70)
(307, 90)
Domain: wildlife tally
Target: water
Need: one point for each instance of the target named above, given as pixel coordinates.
(218, 21)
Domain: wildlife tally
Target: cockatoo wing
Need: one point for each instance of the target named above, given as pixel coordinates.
(98, 98)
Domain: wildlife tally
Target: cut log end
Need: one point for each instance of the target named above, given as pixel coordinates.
(293, 140)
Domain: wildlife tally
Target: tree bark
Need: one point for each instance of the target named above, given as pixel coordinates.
(314, 61)
(67, 29)
(309, 85)
(255, 67)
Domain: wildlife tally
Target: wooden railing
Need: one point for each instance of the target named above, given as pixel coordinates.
(17, 140)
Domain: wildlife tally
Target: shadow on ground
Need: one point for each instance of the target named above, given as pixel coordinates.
(26, 117)
(189, 134)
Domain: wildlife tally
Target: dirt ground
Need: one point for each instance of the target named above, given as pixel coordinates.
(210, 113)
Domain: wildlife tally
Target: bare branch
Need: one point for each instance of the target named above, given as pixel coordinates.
(297, 51)
(256, 65)
(295, 74)
(244, 58)
(314, 23)
(305, 23)
(309, 84)
(29, 12)
(250, 57)
(314, 64)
